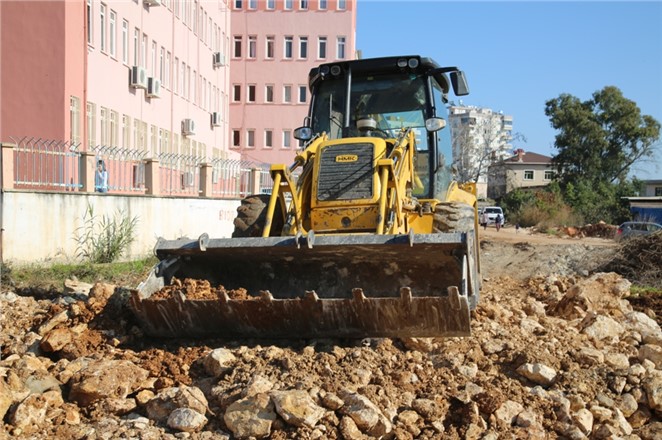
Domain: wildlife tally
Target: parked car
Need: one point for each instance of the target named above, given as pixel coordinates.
(489, 215)
(633, 229)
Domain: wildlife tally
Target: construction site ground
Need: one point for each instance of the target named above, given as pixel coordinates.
(559, 350)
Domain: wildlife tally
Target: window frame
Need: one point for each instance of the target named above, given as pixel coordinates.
(303, 47)
(237, 42)
(288, 46)
(525, 174)
(322, 46)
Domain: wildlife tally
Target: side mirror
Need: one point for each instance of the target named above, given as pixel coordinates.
(434, 124)
(303, 133)
(459, 82)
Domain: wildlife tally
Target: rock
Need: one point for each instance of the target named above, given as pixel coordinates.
(617, 361)
(56, 340)
(6, 398)
(508, 412)
(117, 406)
(251, 416)
(169, 399)
(105, 379)
(424, 345)
(218, 361)
(56, 320)
(365, 414)
(258, 385)
(411, 421)
(644, 325)
(538, 373)
(331, 401)
(652, 353)
(429, 409)
(621, 423)
(349, 430)
(186, 420)
(38, 383)
(628, 404)
(297, 408)
(653, 388)
(600, 327)
(590, 356)
(651, 432)
(75, 287)
(583, 419)
(30, 414)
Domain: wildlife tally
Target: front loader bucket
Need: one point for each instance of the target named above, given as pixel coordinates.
(352, 286)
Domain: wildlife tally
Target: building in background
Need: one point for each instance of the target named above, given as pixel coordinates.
(480, 137)
(140, 75)
(522, 170)
(273, 46)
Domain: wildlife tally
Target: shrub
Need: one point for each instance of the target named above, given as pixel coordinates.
(104, 239)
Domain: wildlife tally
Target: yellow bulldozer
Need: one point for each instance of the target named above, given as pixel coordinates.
(366, 234)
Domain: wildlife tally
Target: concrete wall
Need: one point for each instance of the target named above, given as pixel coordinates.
(40, 227)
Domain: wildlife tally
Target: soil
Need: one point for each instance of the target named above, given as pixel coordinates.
(470, 380)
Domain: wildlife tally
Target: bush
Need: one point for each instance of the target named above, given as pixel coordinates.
(105, 239)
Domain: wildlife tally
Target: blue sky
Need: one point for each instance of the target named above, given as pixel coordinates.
(519, 54)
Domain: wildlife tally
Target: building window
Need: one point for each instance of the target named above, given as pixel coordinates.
(136, 46)
(237, 4)
(287, 138)
(289, 42)
(236, 93)
(126, 131)
(549, 174)
(268, 138)
(91, 125)
(269, 93)
(113, 128)
(342, 5)
(125, 42)
(321, 48)
(103, 126)
(250, 138)
(322, 5)
(74, 110)
(252, 46)
(251, 93)
(143, 51)
(112, 31)
(270, 47)
(162, 65)
(252, 4)
(303, 47)
(154, 66)
(528, 175)
(302, 95)
(303, 5)
(236, 53)
(287, 5)
(287, 94)
(340, 48)
(658, 191)
(167, 70)
(236, 138)
(102, 14)
(90, 22)
(271, 4)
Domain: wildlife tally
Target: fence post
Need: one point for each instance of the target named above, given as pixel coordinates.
(205, 180)
(256, 180)
(7, 161)
(87, 169)
(152, 178)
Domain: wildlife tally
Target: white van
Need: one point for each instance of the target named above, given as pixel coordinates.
(489, 215)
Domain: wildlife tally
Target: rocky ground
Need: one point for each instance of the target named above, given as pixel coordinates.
(557, 351)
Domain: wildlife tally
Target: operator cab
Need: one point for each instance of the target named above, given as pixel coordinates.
(381, 96)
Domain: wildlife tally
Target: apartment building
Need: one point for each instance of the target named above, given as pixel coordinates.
(145, 75)
(480, 137)
(273, 46)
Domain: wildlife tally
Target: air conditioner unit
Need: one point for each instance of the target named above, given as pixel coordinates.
(153, 87)
(216, 119)
(187, 179)
(219, 59)
(138, 79)
(188, 127)
(152, 2)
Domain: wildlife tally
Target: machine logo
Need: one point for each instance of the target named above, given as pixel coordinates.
(345, 158)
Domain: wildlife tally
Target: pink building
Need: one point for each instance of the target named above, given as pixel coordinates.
(273, 46)
(146, 75)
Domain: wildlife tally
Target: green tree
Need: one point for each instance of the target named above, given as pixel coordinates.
(599, 139)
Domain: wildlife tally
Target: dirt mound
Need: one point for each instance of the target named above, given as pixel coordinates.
(639, 259)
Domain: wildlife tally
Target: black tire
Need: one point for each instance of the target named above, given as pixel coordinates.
(251, 217)
(460, 217)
